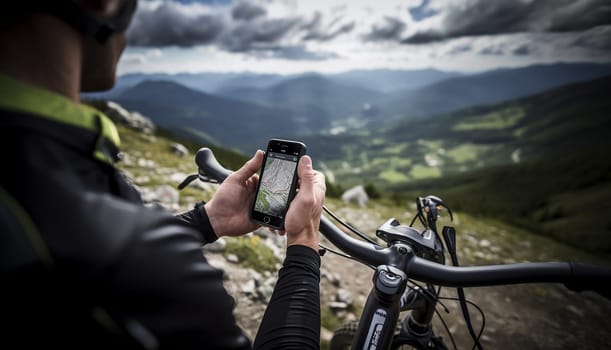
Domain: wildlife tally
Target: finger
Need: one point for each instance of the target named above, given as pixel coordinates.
(249, 168)
(252, 182)
(307, 175)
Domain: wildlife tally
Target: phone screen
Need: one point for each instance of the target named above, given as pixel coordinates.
(277, 182)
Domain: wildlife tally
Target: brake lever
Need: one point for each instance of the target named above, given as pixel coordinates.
(187, 181)
(208, 169)
(429, 207)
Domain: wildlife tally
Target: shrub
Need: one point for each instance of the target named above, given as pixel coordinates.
(252, 253)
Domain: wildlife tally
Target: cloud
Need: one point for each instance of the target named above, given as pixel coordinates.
(241, 27)
(173, 24)
(294, 53)
(315, 29)
(598, 38)
(234, 28)
(460, 18)
(254, 34)
(391, 28)
(247, 11)
(334, 33)
(523, 50)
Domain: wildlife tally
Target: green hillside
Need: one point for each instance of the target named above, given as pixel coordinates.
(561, 187)
(568, 198)
(556, 123)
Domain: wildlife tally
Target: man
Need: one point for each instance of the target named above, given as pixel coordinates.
(84, 264)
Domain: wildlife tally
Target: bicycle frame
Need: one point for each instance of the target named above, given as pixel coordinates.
(399, 262)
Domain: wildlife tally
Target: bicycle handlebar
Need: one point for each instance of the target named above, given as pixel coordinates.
(209, 167)
(575, 276)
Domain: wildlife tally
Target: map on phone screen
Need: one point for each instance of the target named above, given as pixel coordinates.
(276, 181)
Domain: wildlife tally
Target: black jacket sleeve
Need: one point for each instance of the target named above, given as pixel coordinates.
(292, 318)
(166, 285)
(183, 302)
(198, 219)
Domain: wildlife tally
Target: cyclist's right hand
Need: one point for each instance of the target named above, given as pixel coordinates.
(303, 217)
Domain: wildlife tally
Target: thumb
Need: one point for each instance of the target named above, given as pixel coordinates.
(249, 168)
(306, 174)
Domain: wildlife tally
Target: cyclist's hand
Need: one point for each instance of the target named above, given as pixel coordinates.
(229, 208)
(303, 217)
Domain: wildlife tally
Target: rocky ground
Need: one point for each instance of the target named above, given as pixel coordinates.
(517, 317)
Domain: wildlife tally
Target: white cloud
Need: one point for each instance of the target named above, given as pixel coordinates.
(333, 35)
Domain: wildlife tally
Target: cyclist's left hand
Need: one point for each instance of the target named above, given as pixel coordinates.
(229, 208)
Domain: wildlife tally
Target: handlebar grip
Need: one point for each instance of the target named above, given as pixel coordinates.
(590, 277)
(209, 167)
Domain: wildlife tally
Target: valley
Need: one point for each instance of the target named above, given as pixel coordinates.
(535, 161)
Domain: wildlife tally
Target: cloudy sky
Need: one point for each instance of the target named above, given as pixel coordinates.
(292, 36)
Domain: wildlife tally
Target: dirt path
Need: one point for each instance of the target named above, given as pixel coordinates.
(517, 317)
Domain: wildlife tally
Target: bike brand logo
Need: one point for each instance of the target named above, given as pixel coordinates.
(375, 329)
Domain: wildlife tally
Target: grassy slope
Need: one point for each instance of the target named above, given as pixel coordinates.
(561, 187)
(157, 148)
(475, 138)
(556, 198)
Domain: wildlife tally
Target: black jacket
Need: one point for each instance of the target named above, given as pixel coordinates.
(112, 271)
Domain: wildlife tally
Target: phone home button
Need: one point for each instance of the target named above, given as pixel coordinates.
(266, 219)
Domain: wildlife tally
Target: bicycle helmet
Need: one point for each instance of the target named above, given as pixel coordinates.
(68, 11)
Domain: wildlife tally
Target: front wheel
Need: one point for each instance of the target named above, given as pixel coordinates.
(342, 337)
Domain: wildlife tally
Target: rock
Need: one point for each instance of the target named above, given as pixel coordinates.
(217, 246)
(134, 120)
(331, 277)
(256, 276)
(249, 287)
(484, 243)
(146, 163)
(142, 180)
(179, 149)
(167, 195)
(343, 296)
(326, 334)
(337, 305)
(126, 159)
(232, 258)
(356, 195)
(266, 289)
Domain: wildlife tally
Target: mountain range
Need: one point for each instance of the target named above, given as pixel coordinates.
(200, 116)
(242, 110)
(527, 145)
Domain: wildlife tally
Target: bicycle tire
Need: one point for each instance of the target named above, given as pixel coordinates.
(342, 337)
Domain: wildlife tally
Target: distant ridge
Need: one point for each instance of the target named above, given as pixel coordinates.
(305, 105)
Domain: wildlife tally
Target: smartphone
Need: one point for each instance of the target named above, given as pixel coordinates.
(277, 182)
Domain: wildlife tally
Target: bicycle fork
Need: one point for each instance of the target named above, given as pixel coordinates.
(416, 329)
(377, 326)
